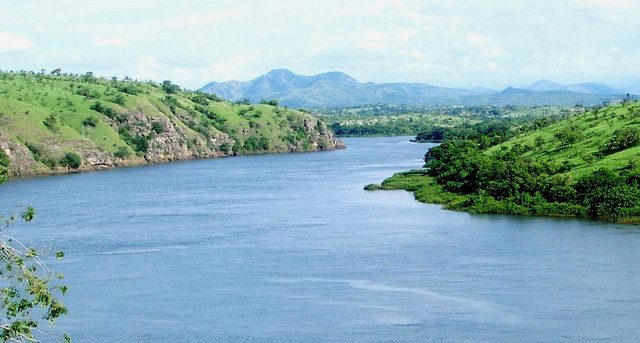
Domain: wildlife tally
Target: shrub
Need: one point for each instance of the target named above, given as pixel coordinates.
(140, 144)
(255, 144)
(122, 152)
(569, 135)
(71, 160)
(100, 108)
(88, 93)
(52, 122)
(119, 99)
(128, 88)
(4, 159)
(157, 127)
(623, 139)
(200, 99)
(90, 121)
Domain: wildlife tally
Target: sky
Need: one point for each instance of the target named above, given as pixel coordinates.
(455, 43)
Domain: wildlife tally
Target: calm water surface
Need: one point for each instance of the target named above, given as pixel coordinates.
(289, 248)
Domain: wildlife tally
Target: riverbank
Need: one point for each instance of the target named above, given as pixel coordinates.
(139, 162)
(425, 189)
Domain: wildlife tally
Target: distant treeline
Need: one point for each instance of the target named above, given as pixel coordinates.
(388, 120)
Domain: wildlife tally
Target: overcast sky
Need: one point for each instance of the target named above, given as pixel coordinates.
(449, 43)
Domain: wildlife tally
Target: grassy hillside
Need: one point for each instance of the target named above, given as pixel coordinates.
(581, 141)
(587, 165)
(55, 123)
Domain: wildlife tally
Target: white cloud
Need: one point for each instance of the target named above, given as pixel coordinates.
(453, 43)
(373, 40)
(110, 42)
(231, 67)
(477, 39)
(10, 42)
(611, 4)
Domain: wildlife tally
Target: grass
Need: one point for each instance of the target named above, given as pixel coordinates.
(28, 100)
(597, 127)
(424, 188)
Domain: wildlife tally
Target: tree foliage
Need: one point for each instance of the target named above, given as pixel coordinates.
(460, 166)
(30, 290)
(623, 139)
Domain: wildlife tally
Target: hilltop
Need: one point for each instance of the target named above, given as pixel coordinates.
(587, 165)
(54, 123)
(336, 89)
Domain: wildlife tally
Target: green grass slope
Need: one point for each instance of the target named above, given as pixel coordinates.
(581, 142)
(587, 165)
(52, 123)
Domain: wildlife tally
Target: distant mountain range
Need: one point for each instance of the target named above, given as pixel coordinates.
(336, 89)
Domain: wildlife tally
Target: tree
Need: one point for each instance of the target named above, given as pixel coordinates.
(30, 290)
(570, 135)
(272, 102)
(623, 139)
(88, 77)
(605, 193)
(169, 87)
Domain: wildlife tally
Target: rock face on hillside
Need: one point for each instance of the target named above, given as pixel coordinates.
(72, 124)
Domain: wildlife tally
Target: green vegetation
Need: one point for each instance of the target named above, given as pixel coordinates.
(30, 291)
(57, 122)
(587, 165)
(390, 120)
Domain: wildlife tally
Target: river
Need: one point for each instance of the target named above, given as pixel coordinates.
(289, 248)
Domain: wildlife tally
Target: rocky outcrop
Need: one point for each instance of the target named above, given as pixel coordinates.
(107, 123)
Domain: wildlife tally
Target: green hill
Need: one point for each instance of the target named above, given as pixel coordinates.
(51, 123)
(587, 165)
(582, 141)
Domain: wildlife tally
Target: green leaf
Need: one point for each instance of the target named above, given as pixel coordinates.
(29, 214)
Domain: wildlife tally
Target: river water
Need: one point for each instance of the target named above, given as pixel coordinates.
(289, 248)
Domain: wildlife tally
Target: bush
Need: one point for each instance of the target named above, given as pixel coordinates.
(52, 122)
(71, 160)
(90, 121)
(100, 108)
(570, 135)
(157, 127)
(254, 144)
(128, 88)
(4, 159)
(119, 99)
(622, 139)
(122, 152)
(140, 144)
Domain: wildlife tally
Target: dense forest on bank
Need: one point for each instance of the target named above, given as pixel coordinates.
(586, 165)
(55, 122)
(401, 120)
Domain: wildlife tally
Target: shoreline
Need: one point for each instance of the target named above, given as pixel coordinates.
(141, 162)
(427, 191)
